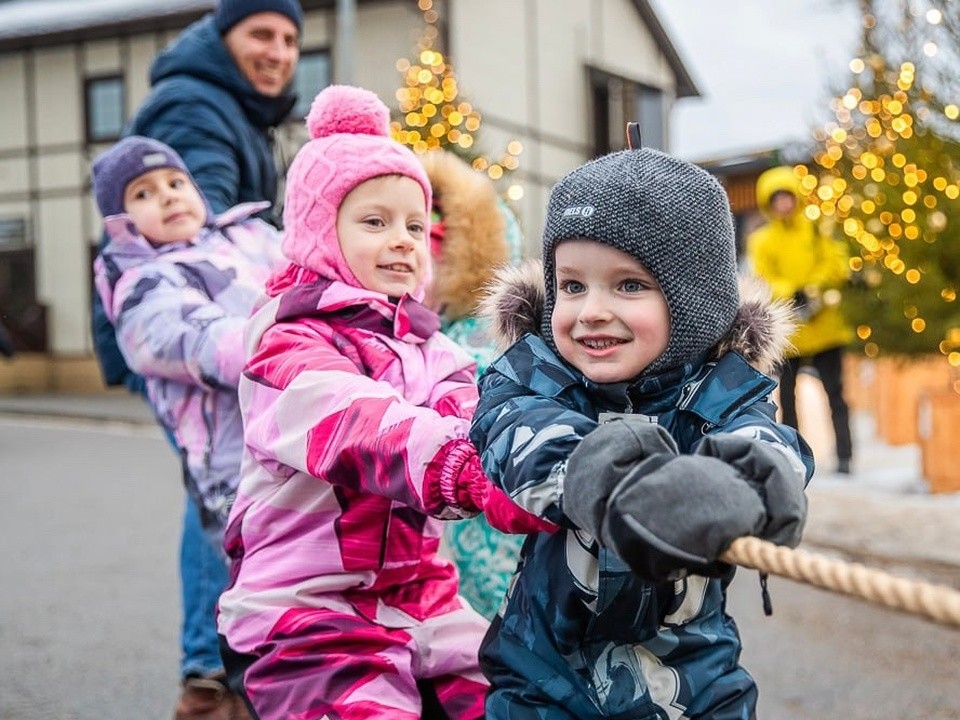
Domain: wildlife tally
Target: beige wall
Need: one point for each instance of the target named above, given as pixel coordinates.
(385, 33)
(521, 62)
(13, 115)
(59, 110)
(524, 64)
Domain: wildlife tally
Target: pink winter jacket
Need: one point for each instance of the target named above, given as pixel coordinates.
(356, 411)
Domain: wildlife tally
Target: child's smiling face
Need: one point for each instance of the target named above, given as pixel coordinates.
(610, 320)
(165, 206)
(381, 228)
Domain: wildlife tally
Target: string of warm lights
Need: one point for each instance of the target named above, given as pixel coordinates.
(433, 114)
(888, 182)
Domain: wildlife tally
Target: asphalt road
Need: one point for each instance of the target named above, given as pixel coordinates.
(89, 520)
(821, 656)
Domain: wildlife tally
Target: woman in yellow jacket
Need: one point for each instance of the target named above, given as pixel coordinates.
(800, 263)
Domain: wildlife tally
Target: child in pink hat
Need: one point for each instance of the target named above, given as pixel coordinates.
(356, 414)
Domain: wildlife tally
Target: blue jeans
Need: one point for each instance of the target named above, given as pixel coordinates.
(203, 576)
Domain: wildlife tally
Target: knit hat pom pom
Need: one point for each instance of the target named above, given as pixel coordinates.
(347, 109)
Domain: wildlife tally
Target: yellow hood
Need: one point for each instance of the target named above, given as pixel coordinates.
(775, 180)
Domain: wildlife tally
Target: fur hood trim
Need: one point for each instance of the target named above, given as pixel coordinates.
(474, 241)
(760, 331)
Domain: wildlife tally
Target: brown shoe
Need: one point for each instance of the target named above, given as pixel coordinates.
(205, 698)
(240, 711)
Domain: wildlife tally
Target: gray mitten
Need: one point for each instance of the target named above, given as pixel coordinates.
(778, 479)
(674, 515)
(602, 459)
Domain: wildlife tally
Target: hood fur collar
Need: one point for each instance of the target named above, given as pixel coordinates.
(474, 241)
(760, 331)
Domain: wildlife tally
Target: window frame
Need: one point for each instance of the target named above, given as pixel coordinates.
(294, 116)
(614, 101)
(88, 107)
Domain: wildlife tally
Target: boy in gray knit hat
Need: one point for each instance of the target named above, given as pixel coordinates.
(632, 410)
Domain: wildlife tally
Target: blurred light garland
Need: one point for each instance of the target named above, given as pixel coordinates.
(888, 182)
(434, 115)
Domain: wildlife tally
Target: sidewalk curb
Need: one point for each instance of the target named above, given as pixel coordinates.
(68, 418)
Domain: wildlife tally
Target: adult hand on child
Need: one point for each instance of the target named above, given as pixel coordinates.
(776, 478)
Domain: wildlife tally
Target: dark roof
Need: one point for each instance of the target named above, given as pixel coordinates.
(35, 23)
(38, 23)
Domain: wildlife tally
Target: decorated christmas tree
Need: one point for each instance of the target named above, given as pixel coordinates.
(433, 114)
(888, 180)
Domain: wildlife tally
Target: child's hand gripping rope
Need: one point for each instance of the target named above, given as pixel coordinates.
(667, 514)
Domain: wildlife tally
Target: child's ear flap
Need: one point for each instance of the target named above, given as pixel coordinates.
(633, 136)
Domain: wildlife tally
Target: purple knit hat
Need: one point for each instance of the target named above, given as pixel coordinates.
(351, 143)
(230, 12)
(130, 158)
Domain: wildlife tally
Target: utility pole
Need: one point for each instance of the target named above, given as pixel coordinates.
(346, 30)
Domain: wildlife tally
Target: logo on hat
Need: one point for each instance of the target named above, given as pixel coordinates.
(154, 159)
(579, 211)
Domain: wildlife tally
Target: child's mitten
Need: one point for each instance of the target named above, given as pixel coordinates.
(674, 515)
(775, 476)
(602, 459)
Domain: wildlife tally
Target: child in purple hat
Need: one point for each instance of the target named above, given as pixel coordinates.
(178, 283)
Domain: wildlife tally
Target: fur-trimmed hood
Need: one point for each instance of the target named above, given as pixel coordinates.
(760, 331)
(474, 241)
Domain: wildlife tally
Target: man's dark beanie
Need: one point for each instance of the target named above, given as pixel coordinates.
(674, 218)
(230, 12)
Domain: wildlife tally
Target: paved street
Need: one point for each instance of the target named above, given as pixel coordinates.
(821, 656)
(89, 518)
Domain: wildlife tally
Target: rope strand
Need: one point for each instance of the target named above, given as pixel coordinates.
(933, 602)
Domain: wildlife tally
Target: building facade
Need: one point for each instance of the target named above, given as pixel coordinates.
(561, 77)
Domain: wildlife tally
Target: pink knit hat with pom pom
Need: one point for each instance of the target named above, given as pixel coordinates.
(351, 143)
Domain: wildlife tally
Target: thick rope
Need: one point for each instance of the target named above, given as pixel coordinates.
(933, 602)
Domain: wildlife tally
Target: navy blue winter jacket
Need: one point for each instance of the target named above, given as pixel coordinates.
(580, 635)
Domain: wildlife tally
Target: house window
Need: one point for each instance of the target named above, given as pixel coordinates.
(650, 113)
(104, 108)
(13, 234)
(23, 316)
(617, 101)
(313, 74)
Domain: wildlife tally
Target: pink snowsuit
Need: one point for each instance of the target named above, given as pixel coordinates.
(356, 410)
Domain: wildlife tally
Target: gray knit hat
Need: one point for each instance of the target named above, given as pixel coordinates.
(229, 12)
(673, 217)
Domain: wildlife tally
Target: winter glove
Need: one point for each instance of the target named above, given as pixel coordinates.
(777, 479)
(475, 491)
(602, 459)
(674, 515)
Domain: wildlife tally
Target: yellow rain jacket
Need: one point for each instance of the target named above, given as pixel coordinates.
(792, 255)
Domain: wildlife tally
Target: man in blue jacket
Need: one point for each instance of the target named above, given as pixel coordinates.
(217, 92)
